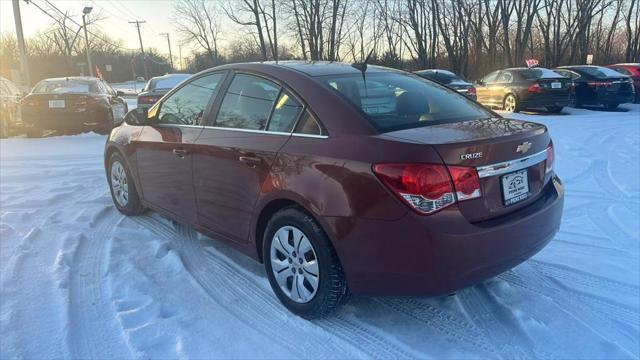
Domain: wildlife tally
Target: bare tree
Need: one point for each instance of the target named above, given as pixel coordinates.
(196, 21)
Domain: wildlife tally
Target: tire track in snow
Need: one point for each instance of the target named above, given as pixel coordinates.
(92, 325)
(449, 325)
(251, 301)
(583, 311)
(498, 323)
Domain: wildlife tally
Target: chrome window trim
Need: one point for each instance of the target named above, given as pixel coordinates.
(511, 165)
(266, 132)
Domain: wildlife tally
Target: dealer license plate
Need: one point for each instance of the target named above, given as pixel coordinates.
(556, 85)
(515, 187)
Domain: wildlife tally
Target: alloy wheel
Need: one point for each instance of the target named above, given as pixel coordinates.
(510, 103)
(119, 183)
(294, 264)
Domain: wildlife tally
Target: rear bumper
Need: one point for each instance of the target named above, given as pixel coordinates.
(437, 254)
(91, 119)
(542, 101)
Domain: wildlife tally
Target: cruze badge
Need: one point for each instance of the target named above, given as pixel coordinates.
(524, 147)
(476, 155)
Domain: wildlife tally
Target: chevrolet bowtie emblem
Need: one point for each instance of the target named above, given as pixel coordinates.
(524, 147)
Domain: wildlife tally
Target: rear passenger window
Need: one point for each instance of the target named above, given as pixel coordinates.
(308, 125)
(248, 103)
(285, 113)
(187, 105)
(504, 77)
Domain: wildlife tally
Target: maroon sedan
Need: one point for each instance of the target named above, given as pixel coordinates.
(341, 179)
(72, 104)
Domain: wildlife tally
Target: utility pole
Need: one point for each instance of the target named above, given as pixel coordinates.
(86, 12)
(169, 43)
(24, 64)
(144, 58)
(180, 55)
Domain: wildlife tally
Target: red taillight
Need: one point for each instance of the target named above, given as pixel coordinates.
(147, 99)
(551, 157)
(428, 188)
(465, 181)
(86, 100)
(535, 88)
(472, 90)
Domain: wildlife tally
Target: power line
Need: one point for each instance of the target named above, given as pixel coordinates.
(75, 22)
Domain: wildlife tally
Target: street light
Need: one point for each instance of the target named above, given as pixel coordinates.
(86, 11)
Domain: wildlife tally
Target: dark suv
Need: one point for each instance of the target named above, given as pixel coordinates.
(341, 178)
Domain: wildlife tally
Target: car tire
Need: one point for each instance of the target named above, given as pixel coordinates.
(297, 269)
(611, 106)
(122, 187)
(510, 103)
(35, 132)
(107, 126)
(554, 109)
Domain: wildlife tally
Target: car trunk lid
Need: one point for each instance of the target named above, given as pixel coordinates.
(498, 148)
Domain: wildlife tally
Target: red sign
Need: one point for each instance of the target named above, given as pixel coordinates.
(531, 62)
(98, 72)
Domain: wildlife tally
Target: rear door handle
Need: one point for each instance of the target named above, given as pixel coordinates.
(251, 161)
(180, 152)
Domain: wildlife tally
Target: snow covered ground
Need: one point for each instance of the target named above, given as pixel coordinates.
(79, 280)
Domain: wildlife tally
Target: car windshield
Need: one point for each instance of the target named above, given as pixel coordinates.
(599, 72)
(64, 86)
(393, 101)
(539, 73)
(167, 83)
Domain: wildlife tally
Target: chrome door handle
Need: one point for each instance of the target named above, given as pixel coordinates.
(251, 161)
(180, 152)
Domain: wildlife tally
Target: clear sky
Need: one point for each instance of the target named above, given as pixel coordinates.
(117, 13)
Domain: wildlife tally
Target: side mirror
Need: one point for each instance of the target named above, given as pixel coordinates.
(119, 93)
(137, 117)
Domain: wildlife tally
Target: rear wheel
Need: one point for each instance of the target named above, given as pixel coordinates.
(34, 132)
(123, 190)
(510, 103)
(302, 266)
(554, 109)
(611, 106)
(107, 126)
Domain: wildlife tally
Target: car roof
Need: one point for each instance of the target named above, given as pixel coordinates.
(170, 76)
(442, 71)
(625, 64)
(82, 78)
(313, 68)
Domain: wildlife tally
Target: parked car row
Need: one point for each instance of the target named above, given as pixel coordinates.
(9, 106)
(516, 89)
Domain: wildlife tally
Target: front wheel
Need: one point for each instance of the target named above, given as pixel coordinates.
(123, 190)
(302, 266)
(510, 103)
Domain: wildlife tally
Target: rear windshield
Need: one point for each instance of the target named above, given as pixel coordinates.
(600, 72)
(65, 86)
(539, 73)
(442, 77)
(394, 101)
(166, 83)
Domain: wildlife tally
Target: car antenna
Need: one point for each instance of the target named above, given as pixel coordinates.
(363, 68)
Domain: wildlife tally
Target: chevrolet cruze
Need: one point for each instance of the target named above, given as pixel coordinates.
(342, 179)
